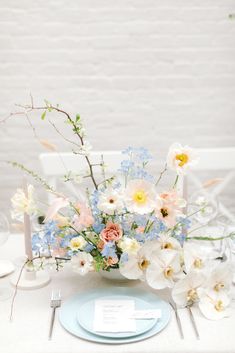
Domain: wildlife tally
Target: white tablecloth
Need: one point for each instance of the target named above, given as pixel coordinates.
(29, 330)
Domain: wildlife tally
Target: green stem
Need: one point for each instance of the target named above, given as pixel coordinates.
(176, 181)
(230, 235)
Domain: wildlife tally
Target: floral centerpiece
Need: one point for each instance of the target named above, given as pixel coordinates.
(127, 223)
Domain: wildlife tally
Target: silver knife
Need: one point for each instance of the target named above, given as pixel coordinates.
(193, 321)
(178, 320)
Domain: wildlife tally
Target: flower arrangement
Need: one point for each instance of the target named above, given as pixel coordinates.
(127, 223)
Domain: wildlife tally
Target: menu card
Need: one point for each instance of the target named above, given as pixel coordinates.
(114, 316)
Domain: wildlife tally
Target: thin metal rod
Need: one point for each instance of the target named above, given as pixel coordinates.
(193, 322)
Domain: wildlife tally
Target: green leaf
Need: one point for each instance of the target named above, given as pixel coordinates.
(77, 118)
(43, 115)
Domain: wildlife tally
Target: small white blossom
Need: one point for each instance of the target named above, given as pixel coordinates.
(82, 263)
(110, 202)
(77, 243)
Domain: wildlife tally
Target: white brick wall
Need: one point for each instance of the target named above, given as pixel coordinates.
(144, 72)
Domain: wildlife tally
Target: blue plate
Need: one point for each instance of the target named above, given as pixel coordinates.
(85, 317)
(68, 313)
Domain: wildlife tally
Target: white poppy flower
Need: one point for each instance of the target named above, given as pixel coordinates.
(196, 257)
(129, 245)
(77, 243)
(23, 204)
(137, 264)
(163, 269)
(110, 202)
(82, 263)
(187, 290)
(214, 305)
(181, 158)
(140, 196)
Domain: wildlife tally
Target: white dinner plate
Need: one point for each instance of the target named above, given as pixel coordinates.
(85, 317)
(69, 309)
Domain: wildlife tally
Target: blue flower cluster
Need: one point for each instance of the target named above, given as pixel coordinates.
(134, 167)
(45, 239)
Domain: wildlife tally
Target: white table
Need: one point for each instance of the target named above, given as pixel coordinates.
(29, 330)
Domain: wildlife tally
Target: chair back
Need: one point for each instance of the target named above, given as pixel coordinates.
(214, 160)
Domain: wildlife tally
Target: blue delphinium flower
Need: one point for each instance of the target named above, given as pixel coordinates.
(124, 257)
(109, 250)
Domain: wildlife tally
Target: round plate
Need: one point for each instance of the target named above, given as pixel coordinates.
(6, 267)
(68, 313)
(85, 317)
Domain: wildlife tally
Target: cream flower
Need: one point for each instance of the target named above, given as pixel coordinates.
(77, 243)
(214, 305)
(181, 158)
(82, 263)
(129, 245)
(137, 264)
(163, 269)
(23, 204)
(140, 196)
(187, 290)
(110, 202)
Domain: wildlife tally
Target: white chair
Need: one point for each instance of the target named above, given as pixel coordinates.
(56, 165)
(212, 160)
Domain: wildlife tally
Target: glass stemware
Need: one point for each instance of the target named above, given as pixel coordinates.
(5, 266)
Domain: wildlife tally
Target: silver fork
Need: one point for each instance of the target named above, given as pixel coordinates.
(55, 303)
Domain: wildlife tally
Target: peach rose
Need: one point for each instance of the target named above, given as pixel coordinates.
(112, 232)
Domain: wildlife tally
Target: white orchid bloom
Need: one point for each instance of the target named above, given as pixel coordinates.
(196, 257)
(166, 241)
(163, 269)
(110, 201)
(77, 243)
(214, 305)
(187, 290)
(137, 264)
(181, 158)
(220, 278)
(82, 263)
(140, 196)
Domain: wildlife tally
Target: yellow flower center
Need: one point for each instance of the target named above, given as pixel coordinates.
(192, 295)
(168, 272)
(144, 264)
(219, 306)
(182, 158)
(167, 246)
(218, 286)
(140, 197)
(76, 243)
(198, 263)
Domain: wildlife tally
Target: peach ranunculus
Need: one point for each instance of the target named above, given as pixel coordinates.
(112, 232)
(84, 219)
